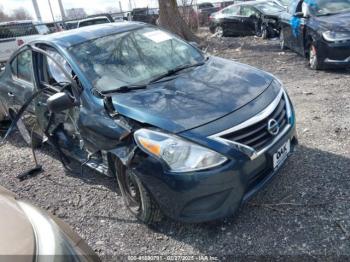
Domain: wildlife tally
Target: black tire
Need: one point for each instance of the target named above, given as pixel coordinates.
(282, 41)
(314, 59)
(136, 197)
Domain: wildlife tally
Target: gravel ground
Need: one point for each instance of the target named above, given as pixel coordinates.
(303, 213)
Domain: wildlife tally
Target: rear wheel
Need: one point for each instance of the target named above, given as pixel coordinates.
(136, 197)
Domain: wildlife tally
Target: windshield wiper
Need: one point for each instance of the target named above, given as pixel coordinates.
(175, 71)
(128, 88)
(124, 89)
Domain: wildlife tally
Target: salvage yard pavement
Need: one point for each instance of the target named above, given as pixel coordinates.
(303, 212)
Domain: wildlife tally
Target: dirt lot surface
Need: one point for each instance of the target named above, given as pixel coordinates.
(303, 213)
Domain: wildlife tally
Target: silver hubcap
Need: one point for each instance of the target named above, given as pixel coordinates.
(313, 56)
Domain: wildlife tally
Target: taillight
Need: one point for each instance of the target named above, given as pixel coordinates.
(20, 42)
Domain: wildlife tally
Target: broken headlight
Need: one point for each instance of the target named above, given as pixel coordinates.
(331, 36)
(180, 155)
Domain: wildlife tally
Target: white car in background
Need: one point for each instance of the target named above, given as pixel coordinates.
(94, 21)
(15, 34)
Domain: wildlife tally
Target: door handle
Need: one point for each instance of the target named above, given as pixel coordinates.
(10, 94)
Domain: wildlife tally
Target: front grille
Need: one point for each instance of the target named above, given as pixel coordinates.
(256, 135)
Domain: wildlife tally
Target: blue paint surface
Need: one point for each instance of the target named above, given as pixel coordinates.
(311, 3)
(295, 24)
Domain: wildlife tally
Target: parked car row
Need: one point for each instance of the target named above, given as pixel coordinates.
(316, 29)
(247, 18)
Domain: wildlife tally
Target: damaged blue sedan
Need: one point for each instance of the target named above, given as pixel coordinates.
(318, 30)
(186, 135)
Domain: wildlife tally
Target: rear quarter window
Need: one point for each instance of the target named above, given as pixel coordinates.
(17, 30)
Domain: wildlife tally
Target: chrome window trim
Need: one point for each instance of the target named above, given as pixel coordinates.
(247, 150)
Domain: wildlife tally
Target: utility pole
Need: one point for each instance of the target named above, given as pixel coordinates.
(120, 7)
(53, 18)
(63, 14)
(37, 11)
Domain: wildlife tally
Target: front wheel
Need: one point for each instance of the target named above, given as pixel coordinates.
(264, 32)
(219, 31)
(314, 59)
(136, 197)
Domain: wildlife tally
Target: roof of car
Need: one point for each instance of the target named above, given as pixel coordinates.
(83, 34)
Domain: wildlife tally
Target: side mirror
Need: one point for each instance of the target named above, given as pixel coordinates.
(60, 102)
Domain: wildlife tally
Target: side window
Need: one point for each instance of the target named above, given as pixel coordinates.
(247, 11)
(52, 74)
(25, 66)
(232, 11)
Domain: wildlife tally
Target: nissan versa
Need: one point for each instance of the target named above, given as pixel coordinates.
(186, 135)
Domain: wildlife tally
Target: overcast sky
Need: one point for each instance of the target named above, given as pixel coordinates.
(90, 6)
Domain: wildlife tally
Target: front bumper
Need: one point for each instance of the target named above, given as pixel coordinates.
(213, 194)
(335, 54)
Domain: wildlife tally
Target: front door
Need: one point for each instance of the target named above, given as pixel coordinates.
(250, 20)
(231, 21)
(50, 77)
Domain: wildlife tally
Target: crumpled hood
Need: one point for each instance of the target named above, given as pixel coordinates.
(340, 22)
(195, 97)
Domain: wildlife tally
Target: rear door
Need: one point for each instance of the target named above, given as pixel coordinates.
(231, 20)
(19, 87)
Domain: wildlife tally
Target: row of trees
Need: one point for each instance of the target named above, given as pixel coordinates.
(17, 14)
